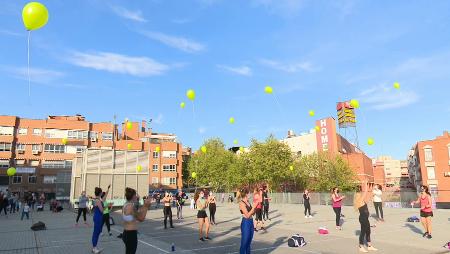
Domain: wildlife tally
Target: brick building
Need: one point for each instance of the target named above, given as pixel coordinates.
(42, 149)
(429, 164)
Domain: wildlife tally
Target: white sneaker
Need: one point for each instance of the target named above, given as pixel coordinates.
(310, 216)
(371, 248)
(96, 250)
(306, 216)
(362, 249)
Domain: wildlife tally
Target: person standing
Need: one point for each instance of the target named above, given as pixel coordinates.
(82, 207)
(247, 212)
(131, 215)
(107, 206)
(167, 200)
(25, 211)
(426, 210)
(223, 198)
(180, 202)
(13, 204)
(307, 204)
(266, 200)
(212, 208)
(98, 217)
(202, 204)
(361, 206)
(257, 199)
(337, 206)
(4, 204)
(33, 200)
(378, 202)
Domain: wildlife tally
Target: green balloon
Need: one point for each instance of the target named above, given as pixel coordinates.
(34, 16)
(11, 171)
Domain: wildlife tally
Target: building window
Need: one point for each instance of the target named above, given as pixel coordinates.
(4, 163)
(53, 164)
(155, 167)
(20, 147)
(50, 148)
(173, 180)
(93, 134)
(22, 131)
(428, 154)
(34, 163)
(5, 147)
(169, 154)
(155, 180)
(32, 179)
(80, 149)
(107, 135)
(431, 173)
(155, 155)
(49, 179)
(6, 130)
(20, 162)
(37, 132)
(169, 167)
(17, 179)
(36, 148)
(77, 134)
(169, 180)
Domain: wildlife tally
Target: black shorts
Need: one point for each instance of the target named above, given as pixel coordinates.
(258, 214)
(202, 214)
(426, 214)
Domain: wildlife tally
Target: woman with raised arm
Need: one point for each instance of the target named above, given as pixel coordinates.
(360, 205)
(98, 216)
(202, 204)
(167, 201)
(337, 206)
(247, 212)
(426, 211)
(307, 204)
(131, 215)
(212, 208)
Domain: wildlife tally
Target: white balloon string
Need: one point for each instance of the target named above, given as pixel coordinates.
(28, 66)
(279, 108)
(193, 110)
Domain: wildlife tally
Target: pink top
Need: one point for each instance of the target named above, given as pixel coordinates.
(337, 203)
(257, 199)
(425, 201)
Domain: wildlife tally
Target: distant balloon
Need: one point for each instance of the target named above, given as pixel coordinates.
(194, 175)
(139, 168)
(241, 149)
(203, 148)
(397, 85)
(312, 113)
(370, 141)
(129, 125)
(11, 171)
(64, 141)
(291, 168)
(182, 104)
(235, 141)
(129, 146)
(268, 90)
(190, 94)
(157, 149)
(231, 120)
(354, 103)
(34, 16)
(317, 128)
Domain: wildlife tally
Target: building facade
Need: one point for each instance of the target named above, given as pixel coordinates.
(42, 149)
(429, 164)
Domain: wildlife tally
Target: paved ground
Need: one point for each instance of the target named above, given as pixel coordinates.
(393, 236)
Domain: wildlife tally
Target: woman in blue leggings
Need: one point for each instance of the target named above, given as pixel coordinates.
(98, 217)
(247, 221)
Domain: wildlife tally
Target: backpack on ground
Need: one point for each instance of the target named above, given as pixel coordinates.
(296, 241)
(413, 219)
(38, 226)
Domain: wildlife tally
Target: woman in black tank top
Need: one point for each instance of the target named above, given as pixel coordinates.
(361, 205)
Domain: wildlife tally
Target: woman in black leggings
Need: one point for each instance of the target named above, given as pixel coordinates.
(361, 205)
(337, 206)
(307, 204)
(212, 208)
(167, 200)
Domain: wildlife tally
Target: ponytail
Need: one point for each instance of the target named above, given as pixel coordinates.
(242, 194)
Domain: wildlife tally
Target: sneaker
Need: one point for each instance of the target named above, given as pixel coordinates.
(201, 239)
(306, 216)
(429, 236)
(207, 238)
(371, 248)
(110, 234)
(425, 234)
(172, 227)
(96, 250)
(311, 216)
(362, 249)
(101, 234)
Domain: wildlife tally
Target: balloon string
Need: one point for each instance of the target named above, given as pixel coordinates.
(28, 67)
(279, 108)
(193, 110)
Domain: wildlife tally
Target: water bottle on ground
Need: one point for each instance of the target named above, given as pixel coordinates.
(173, 247)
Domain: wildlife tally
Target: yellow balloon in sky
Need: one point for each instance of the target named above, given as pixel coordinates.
(182, 104)
(129, 125)
(157, 149)
(129, 146)
(139, 168)
(312, 113)
(317, 128)
(11, 171)
(397, 85)
(190, 94)
(203, 148)
(268, 89)
(370, 141)
(231, 120)
(235, 141)
(291, 168)
(34, 16)
(354, 103)
(241, 149)
(64, 141)
(194, 175)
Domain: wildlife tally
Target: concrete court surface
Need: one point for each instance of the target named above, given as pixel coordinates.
(393, 236)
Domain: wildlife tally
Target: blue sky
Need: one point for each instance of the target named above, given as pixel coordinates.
(136, 59)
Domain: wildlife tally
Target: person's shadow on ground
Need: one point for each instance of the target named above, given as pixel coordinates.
(414, 229)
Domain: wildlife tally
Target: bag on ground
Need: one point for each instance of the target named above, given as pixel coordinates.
(447, 246)
(413, 219)
(296, 241)
(323, 231)
(38, 226)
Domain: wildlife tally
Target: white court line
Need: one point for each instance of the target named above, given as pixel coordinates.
(146, 243)
(213, 247)
(273, 247)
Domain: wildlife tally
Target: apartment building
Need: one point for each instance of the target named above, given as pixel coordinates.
(42, 149)
(429, 164)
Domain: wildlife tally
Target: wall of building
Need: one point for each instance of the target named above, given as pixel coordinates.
(303, 144)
